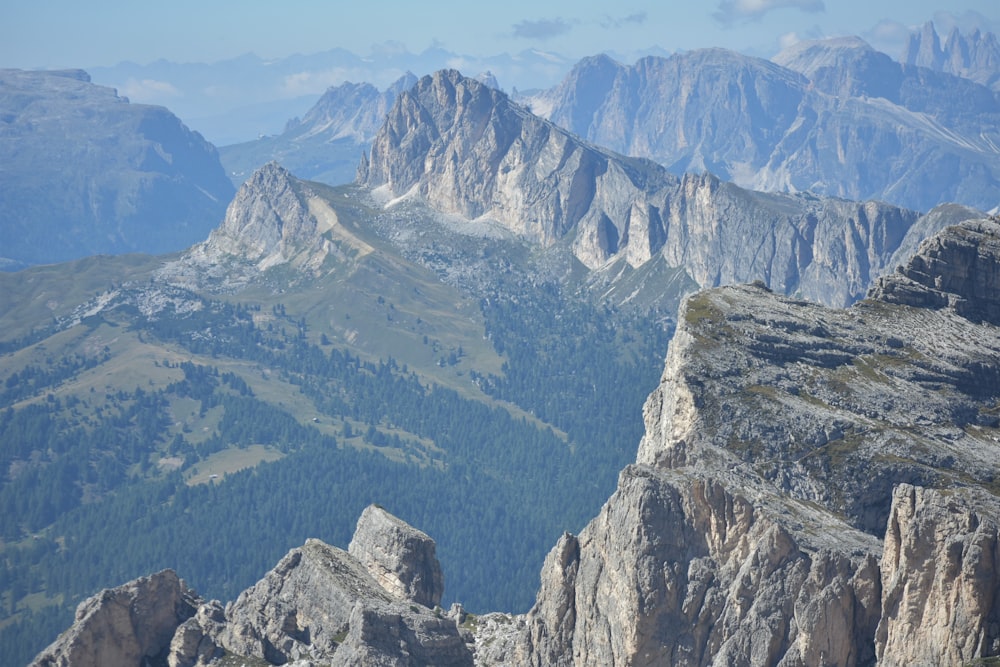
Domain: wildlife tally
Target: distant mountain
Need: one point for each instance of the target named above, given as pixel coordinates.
(975, 55)
(833, 117)
(326, 143)
(469, 151)
(84, 172)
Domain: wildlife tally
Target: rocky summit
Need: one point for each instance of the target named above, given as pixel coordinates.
(815, 486)
(319, 605)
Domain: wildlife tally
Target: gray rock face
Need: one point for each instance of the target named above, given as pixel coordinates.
(319, 603)
(469, 151)
(833, 117)
(274, 220)
(940, 578)
(87, 173)
(124, 626)
(815, 486)
(677, 570)
(400, 557)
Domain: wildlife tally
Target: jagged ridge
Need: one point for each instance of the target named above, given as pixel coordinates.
(468, 150)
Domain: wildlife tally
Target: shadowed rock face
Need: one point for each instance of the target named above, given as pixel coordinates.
(470, 152)
(958, 269)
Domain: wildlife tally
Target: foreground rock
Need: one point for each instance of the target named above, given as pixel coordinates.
(319, 603)
(128, 625)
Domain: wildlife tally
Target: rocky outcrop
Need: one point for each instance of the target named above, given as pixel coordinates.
(400, 557)
(974, 55)
(369, 606)
(469, 151)
(86, 172)
(128, 625)
(267, 223)
(319, 603)
(275, 220)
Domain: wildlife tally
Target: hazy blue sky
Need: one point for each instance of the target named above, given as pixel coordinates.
(71, 33)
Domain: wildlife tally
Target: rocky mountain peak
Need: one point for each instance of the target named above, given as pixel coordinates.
(470, 151)
(268, 221)
(974, 55)
(274, 219)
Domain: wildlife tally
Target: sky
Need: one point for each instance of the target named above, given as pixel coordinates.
(52, 34)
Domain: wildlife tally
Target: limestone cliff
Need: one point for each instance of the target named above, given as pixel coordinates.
(274, 220)
(470, 152)
(835, 117)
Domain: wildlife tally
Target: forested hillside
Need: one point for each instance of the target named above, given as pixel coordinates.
(110, 483)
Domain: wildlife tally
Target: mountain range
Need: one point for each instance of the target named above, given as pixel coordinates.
(461, 340)
(833, 117)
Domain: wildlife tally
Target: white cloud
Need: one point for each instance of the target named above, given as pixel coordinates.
(788, 39)
(542, 29)
(731, 11)
(149, 91)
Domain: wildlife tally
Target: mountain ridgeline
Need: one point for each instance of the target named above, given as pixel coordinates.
(833, 117)
(468, 150)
